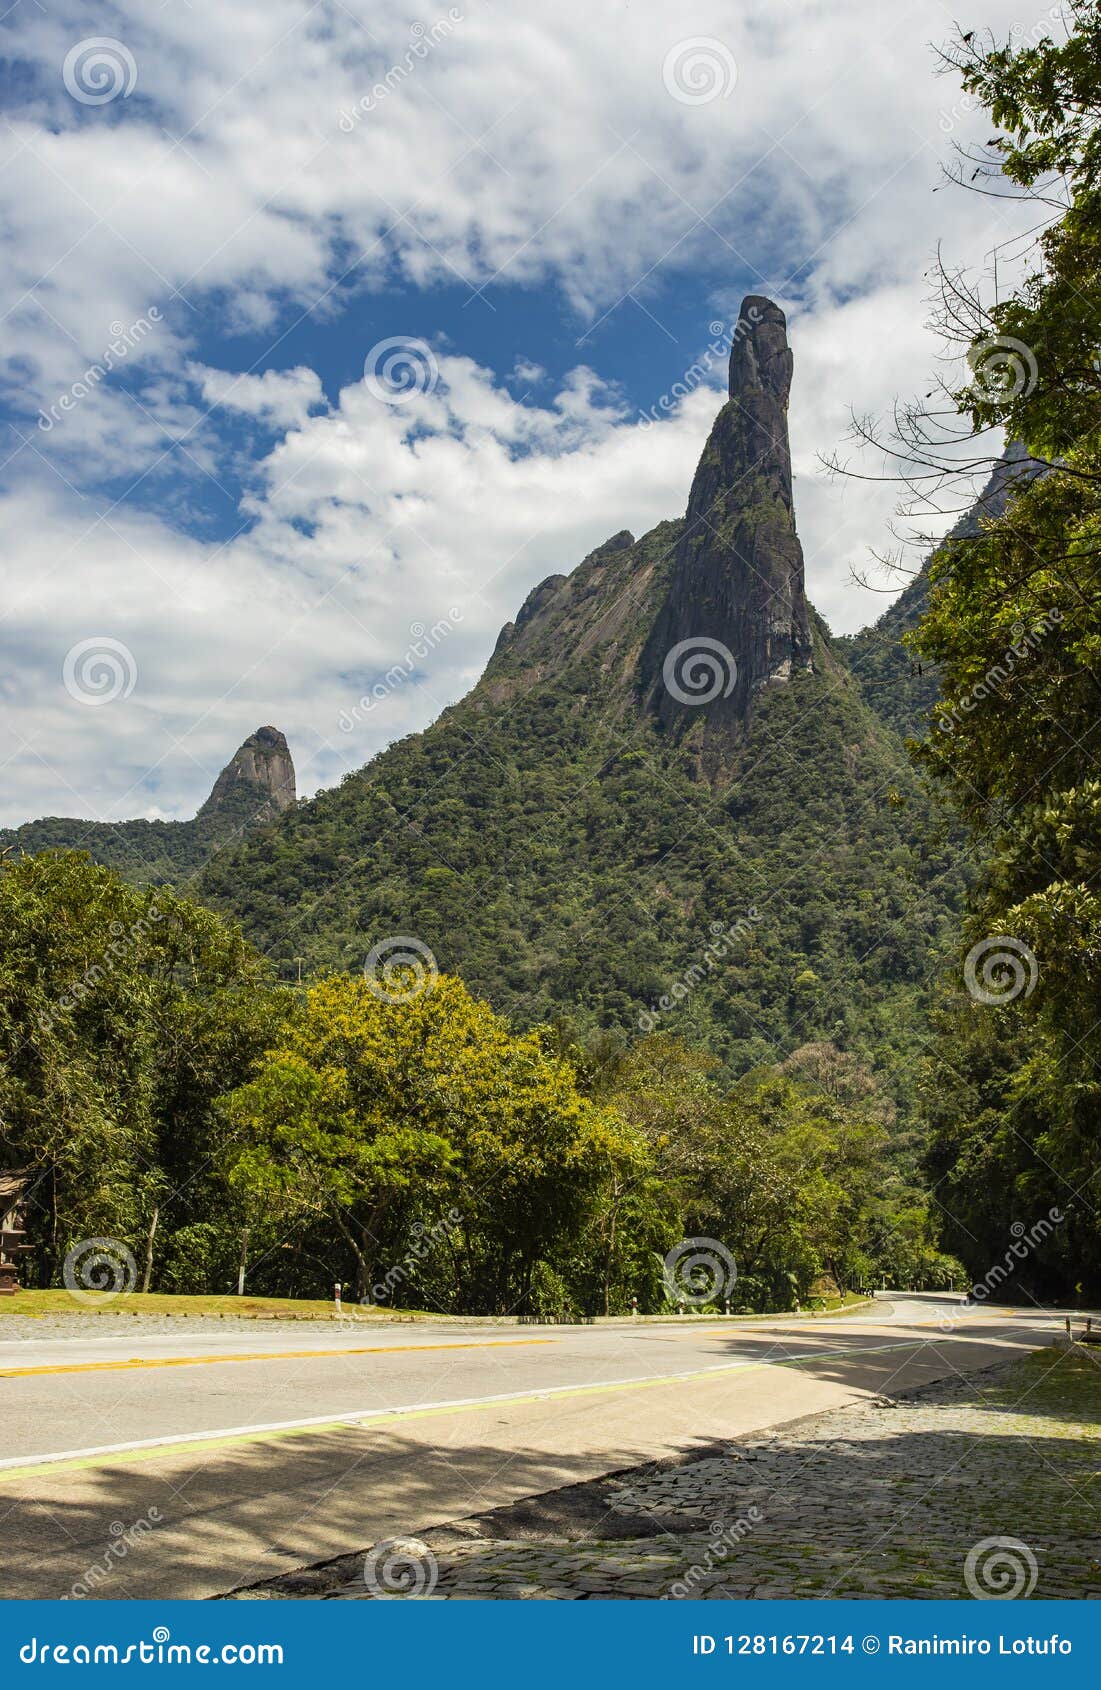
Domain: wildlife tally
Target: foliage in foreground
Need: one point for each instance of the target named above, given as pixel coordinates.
(1014, 623)
(163, 1094)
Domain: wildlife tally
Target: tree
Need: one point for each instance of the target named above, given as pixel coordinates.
(1013, 622)
(384, 1116)
(786, 1169)
(123, 1014)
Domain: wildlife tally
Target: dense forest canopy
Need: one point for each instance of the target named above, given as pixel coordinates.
(894, 1072)
(1014, 626)
(171, 1099)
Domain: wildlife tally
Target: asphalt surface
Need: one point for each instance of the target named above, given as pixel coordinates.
(185, 1464)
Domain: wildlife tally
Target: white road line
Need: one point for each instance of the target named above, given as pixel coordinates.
(355, 1417)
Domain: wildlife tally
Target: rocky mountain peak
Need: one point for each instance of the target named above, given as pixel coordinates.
(735, 619)
(760, 357)
(260, 767)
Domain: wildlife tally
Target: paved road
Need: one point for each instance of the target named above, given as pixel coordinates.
(185, 1464)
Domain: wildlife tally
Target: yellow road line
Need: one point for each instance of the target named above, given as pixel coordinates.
(202, 1442)
(259, 1355)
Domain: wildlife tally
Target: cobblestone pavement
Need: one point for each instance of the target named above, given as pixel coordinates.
(887, 1498)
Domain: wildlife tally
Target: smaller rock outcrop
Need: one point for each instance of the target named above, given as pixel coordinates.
(256, 785)
(261, 766)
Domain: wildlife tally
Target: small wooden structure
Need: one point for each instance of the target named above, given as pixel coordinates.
(13, 1186)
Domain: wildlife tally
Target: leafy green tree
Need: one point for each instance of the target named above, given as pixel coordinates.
(162, 1093)
(1045, 99)
(381, 1116)
(1013, 622)
(788, 1169)
(123, 1015)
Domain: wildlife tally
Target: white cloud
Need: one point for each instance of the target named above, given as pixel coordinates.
(530, 141)
(528, 144)
(370, 520)
(281, 399)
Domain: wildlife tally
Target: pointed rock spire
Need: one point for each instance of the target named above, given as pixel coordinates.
(260, 769)
(735, 619)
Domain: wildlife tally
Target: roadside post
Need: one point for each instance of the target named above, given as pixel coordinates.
(13, 1238)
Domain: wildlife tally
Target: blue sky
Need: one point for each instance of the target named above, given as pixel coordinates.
(246, 518)
(639, 349)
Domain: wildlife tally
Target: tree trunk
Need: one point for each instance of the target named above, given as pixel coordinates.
(148, 1273)
(362, 1275)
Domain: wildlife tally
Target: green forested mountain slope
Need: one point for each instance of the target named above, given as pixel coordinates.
(556, 854)
(570, 842)
(594, 834)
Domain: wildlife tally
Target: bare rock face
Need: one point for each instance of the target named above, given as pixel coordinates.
(735, 619)
(261, 769)
(547, 603)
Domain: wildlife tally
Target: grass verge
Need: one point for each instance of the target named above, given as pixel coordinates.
(39, 1303)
